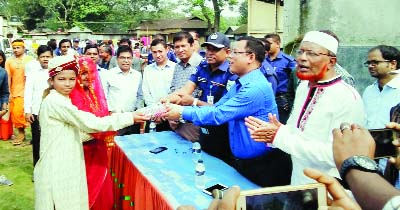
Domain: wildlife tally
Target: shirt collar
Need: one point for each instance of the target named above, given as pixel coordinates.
(168, 65)
(394, 83)
(329, 82)
(119, 71)
(224, 66)
(249, 77)
(193, 59)
(280, 55)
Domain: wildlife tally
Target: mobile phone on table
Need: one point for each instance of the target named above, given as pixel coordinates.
(309, 196)
(383, 140)
(158, 150)
(217, 186)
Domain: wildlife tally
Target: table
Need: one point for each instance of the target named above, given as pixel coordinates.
(143, 180)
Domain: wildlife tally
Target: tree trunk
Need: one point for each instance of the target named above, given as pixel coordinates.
(204, 11)
(217, 15)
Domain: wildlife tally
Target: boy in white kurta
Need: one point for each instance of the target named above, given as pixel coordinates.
(60, 178)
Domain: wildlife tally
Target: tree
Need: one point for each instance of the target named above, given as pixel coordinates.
(93, 14)
(204, 12)
(243, 10)
(28, 11)
(214, 14)
(61, 9)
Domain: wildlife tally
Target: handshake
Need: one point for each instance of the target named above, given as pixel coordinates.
(154, 112)
(161, 111)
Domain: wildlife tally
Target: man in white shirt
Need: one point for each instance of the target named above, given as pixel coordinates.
(384, 93)
(323, 101)
(157, 76)
(35, 84)
(122, 87)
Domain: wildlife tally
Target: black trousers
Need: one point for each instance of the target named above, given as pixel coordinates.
(272, 169)
(284, 103)
(35, 129)
(215, 141)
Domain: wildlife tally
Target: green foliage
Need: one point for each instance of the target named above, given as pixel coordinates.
(243, 10)
(226, 22)
(212, 16)
(85, 13)
(99, 14)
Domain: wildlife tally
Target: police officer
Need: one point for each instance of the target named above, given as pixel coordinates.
(283, 65)
(268, 70)
(213, 78)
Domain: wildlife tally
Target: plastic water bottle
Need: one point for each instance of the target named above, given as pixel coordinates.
(199, 177)
(152, 126)
(196, 152)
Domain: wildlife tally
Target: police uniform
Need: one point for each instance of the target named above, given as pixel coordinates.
(283, 65)
(270, 74)
(213, 85)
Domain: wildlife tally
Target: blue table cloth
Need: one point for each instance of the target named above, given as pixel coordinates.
(172, 171)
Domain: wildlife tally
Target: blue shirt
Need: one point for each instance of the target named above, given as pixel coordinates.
(283, 65)
(251, 96)
(79, 50)
(4, 92)
(270, 74)
(377, 103)
(212, 83)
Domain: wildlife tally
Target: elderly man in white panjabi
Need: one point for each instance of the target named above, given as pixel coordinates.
(323, 101)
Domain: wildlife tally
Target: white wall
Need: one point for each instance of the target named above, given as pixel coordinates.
(356, 22)
(261, 19)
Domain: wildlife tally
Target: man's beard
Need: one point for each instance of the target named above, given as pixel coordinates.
(312, 77)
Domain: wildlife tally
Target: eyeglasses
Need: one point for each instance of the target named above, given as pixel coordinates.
(310, 53)
(233, 53)
(374, 62)
(125, 58)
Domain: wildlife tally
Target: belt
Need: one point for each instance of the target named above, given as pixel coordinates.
(214, 130)
(238, 163)
(282, 94)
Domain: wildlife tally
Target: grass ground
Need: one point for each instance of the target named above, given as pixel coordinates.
(16, 165)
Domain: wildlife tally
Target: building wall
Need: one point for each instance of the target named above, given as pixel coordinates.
(262, 19)
(359, 24)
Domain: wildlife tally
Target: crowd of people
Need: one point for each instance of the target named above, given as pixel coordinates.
(241, 101)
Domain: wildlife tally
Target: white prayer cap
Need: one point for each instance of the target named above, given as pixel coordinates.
(322, 39)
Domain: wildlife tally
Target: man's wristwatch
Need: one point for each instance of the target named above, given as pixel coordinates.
(195, 100)
(180, 115)
(359, 162)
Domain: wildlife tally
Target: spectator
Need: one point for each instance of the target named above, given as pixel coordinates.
(283, 65)
(183, 46)
(16, 79)
(76, 46)
(122, 87)
(35, 84)
(64, 45)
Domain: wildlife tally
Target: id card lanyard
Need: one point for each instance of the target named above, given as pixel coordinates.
(210, 97)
